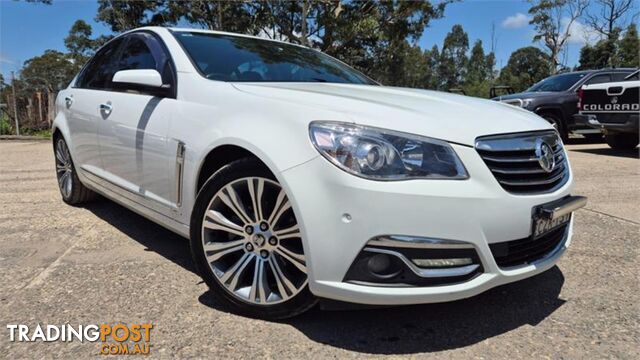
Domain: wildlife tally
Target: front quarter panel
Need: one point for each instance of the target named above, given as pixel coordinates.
(217, 114)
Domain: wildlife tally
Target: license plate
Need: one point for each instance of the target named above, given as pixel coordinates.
(542, 226)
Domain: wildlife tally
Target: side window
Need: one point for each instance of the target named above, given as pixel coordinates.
(99, 71)
(144, 51)
(620, 76)
(598, 79)
(136, 55)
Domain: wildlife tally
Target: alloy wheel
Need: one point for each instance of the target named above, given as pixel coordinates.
(252, 242)
(64, 168)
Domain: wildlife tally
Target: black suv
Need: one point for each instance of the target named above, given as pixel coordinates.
(556, 97)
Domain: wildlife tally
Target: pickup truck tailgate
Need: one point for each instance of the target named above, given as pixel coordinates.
(611, 104)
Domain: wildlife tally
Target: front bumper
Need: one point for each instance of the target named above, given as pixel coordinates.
(631, 125)
(338, 213)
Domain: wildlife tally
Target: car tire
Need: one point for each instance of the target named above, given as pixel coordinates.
(622, 141)
(72, 190)
(243, 268)
(555, 121)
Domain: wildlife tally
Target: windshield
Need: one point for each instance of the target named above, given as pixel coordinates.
(557, 83)
(241, 59)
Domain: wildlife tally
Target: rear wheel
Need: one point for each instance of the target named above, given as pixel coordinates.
(622, 141)
(247, 245)
(72, 190)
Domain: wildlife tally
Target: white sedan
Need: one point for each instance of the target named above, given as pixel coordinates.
(298, 178)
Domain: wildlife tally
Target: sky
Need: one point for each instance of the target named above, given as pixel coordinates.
(27, 30)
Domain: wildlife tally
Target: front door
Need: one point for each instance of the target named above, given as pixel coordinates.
(138, 155)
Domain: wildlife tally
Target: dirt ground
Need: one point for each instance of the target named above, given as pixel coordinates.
(104, 264)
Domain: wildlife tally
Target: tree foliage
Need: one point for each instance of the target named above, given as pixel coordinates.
(629, 48)
(124, 15)
(613, 51)
(526, 66)
(52, 71)
(79, 41)
(453, 58)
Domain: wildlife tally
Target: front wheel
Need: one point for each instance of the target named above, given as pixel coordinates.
(557, 124)
(622, 141)
(72, 190)
(247, 245)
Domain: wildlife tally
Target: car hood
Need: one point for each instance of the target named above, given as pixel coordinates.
(450, 117)
(526, 95)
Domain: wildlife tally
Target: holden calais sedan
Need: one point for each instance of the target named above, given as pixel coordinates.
(297, 178)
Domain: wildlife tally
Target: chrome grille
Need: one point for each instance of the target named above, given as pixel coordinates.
(515, 164)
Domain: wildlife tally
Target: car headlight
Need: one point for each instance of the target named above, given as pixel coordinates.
(526, 102)
(523, 103)
(380, 154)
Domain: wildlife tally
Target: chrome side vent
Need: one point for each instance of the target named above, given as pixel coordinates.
(179, 172)
(525, 163)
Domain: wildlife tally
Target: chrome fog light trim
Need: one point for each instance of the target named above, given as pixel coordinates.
(427, 273)
(404, 241)
(440, 263)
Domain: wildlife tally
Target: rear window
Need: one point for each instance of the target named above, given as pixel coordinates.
(635, 76)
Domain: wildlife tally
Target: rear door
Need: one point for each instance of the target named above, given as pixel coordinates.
(82, 106)
(137, 152)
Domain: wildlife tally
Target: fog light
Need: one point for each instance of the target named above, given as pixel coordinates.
(436, 263)
(383, 265)
(379, 263)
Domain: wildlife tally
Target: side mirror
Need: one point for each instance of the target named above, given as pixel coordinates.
(144, 78)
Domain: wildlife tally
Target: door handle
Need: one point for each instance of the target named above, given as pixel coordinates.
(106, 108)
(68, 100)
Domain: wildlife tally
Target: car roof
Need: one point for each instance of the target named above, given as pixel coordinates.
(609, 70)
(225, 33)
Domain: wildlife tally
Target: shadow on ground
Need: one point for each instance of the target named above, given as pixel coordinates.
(610, 152)
(581, 140)
(394, 330)
(436, 327)
(149, 234)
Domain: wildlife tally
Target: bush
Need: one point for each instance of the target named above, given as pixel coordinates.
(5, 125)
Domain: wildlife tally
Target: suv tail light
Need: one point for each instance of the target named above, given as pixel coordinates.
(580, 95)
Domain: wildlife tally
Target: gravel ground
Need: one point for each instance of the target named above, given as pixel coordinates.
(104, 264)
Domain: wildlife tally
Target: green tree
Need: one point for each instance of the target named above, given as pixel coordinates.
(629, 48)
(602, 54)
(477, 68)
(479, 71)
(122, 15)
(430, 76)
(453, 58)
(491, 65)
(52, 70)
(222, 15)
(526, 66)
(79, 42)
